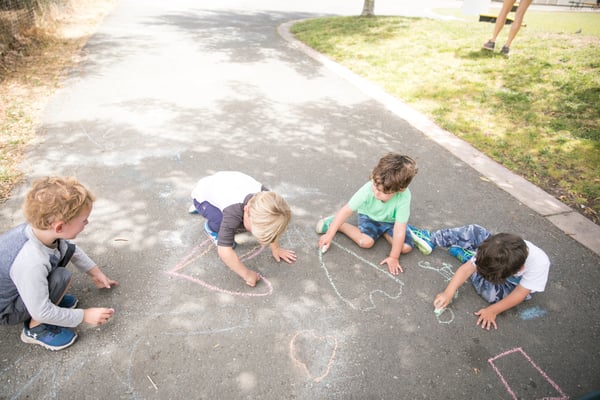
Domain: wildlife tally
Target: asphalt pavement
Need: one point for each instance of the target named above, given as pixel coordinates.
(169, 92)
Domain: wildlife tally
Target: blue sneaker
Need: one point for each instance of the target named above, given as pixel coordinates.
(68, 301)
(323, 224)
(49, 336)
(213, 235)
(422, 239)
(463, 255)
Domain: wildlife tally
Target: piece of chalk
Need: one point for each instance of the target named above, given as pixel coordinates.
(439, 311)
(324, 249)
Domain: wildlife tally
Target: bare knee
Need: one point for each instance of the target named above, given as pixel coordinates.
(366, 242)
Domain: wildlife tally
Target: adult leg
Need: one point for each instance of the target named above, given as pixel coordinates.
(516, 25)
(507, 5)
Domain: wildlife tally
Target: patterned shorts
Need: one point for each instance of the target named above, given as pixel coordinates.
(375, 229)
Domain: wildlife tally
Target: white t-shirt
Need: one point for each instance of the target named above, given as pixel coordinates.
(535, 274)
(225, 188)
(537, 266)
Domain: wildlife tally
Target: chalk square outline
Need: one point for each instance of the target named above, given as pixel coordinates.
(534, 365)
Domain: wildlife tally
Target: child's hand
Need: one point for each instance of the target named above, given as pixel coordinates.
(325, 240)
(97, 316)
(289, 256)
(393, 265)
(251, 278)
(487, 318)
(104, 282)
(442, 300)
(100, 280)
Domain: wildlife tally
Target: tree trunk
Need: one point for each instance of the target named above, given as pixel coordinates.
(368, 8)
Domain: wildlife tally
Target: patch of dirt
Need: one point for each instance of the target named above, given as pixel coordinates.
(32, 63)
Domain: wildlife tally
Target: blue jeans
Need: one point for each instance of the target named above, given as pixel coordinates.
(469, 237)
(376, 229)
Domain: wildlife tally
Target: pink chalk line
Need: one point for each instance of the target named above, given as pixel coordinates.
(510, 391)
(303, 365)
(195, 254)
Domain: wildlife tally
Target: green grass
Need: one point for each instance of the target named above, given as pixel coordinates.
(536, 112)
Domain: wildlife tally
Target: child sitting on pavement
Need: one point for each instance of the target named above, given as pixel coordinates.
(504, 269)
(383, 207)
(233, 202)
(33, 280)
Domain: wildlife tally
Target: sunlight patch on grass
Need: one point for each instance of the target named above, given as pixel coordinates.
(537, 112)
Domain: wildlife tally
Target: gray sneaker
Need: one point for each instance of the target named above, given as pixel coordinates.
(505, 50)
(489, 45)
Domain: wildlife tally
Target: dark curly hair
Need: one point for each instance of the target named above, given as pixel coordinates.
(501, 256)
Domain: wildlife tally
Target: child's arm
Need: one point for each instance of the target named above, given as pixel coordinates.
(230, 258)
(100, 280)
(97, 316)
(279, 254)
(340, 217)
(393, 260)
(462, 274)
(487, 316)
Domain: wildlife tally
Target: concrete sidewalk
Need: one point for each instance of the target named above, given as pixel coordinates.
(172, 91)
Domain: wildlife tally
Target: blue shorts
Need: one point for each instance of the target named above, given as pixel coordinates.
(375, 229)
(213, 215)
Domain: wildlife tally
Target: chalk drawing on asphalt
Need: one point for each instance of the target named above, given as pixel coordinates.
(352, 303)
(201, 250)
(191, 329)
(314, 354)
(532, 313)
(446, 315)
(516, 367)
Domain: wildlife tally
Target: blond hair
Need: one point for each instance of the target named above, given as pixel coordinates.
(53, 199)
(269, 216)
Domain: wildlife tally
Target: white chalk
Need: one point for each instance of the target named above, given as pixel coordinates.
(324, 249)
(439, 311)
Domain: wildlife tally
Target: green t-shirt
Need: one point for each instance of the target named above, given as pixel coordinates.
(396, 209)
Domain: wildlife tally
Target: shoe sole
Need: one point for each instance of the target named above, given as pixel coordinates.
(209, 233)
(422, 245)
(30, 340)
(320, 224)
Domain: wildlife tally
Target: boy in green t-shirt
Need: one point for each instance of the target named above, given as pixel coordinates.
(383, 207)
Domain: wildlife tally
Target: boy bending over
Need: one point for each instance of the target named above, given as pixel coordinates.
(33, 280)
(504, 269)
(383, 207)
(234, 202)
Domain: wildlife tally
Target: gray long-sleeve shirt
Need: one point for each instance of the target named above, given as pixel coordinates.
(25, 263)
